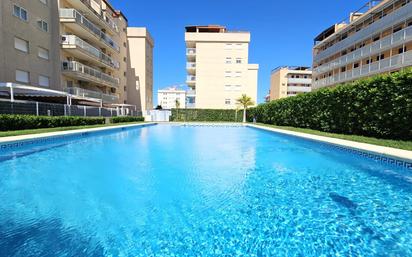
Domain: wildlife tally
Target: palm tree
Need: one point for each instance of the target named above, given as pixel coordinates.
(177, 103)
(244, 101)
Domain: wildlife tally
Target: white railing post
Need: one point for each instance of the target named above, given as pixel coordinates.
(84, 111)
(10, 85)
(100, 111)
(37, 108)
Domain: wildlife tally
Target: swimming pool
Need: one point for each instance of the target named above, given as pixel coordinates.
(200, 191)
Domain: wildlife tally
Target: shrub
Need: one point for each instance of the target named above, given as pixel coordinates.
(126, 119)
(206, 115)
(10, 122)
(380, 106)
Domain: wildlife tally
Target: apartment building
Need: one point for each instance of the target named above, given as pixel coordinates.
(29, 43)
(94, 50)
(140, 67)
(79, 49)
(167, 97)
(289, 81)
(218, 66)
(375, 39)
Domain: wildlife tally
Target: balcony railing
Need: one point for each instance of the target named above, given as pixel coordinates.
(191, 65)
(299, 80)
(390, 41)
(81, 20)
(78, 42)
(72, 66)
(101, 16)
(191, 51)
(394, 62)
(388, 21)
(92, 94)
(299, 89)
(191, 78)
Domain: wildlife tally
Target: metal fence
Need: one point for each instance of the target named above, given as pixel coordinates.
(52, 109)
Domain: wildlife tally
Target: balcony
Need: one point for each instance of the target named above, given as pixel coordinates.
(97, 15)
(191, 54)
(299, 81)
(191, 68)
(85, 28)
(397, 38)
(299, 89)
(106, 98)
(83, 50)
(191, 80)
(388, 21)
(393, 63)
(83, 72)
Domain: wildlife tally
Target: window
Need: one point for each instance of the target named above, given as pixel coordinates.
(21, 45)
(125, 88)
(238, 46)
(343, 69)
(228, 46)
(238, 74)
(227, 101)
(43, 53)
(401, 50)
(44, 1)
(44, 81)
(43, 25)
(228, 60)
(20, 13)
(238, 87)
(22, 76)
(228, 74)
(238, 60)
(228, 87)
(355, 65)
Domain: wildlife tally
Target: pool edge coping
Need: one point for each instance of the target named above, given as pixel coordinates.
(400, 154)
(20, 138)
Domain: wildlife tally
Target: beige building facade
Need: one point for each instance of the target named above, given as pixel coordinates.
(75, 47)
(218, 68)
(289, 81)
(140, 67)
(94, 50)
(376, 39)
(29, 43)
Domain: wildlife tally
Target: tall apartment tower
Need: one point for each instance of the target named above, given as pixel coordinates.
(140, 67)
(218, 66)
(289, 81)
(94, 54)
(376, 39)
(29, 43)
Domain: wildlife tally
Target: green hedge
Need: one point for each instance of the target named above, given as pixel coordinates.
(19, 122)
(380, 106)
(206, 115)
(126, 119)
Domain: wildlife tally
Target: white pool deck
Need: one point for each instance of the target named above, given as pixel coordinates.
(68, 132)
(374, 149)
(395, 153)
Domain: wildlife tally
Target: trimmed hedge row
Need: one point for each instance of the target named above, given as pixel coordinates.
(10, 122)
(126, 119)
(380, 107)
(206, 115)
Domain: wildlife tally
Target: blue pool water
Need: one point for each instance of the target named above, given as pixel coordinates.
(200, 191)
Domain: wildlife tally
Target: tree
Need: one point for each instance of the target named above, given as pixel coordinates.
(177, 104)
(244, 101)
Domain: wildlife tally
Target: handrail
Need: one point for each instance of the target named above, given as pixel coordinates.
(74, 14)
(79, 67)
(74, 40)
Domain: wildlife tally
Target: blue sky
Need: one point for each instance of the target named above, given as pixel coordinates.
(282, 32)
